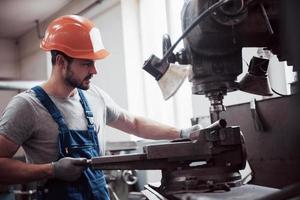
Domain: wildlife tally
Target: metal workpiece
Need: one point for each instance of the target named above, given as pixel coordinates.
(217, 125)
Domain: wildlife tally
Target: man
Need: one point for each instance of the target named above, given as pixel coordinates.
(57, 123)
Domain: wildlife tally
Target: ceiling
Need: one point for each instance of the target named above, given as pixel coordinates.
(19, 16)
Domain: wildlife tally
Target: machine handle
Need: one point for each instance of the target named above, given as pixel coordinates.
(129, 177)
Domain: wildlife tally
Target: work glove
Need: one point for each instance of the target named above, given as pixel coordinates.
(69, 169)
(191, 132)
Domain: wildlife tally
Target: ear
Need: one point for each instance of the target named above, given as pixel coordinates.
(61, 61)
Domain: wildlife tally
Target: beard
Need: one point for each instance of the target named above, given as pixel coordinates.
(75, 82)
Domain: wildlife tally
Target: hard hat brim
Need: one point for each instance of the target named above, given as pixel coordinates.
(101, 54)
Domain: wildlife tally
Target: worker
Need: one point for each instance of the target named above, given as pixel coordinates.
(58, 122)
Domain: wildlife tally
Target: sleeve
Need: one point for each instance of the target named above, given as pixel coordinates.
(17, 120)
(113, 110)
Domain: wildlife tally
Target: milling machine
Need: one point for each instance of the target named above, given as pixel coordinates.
(214, 33)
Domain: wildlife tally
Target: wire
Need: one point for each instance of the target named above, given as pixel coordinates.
(282, 95)
(194, 23)
(245, 61)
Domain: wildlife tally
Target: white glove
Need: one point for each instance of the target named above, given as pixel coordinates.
(69, 169)
(191, 132)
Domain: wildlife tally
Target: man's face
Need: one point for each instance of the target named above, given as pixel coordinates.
(79, 72)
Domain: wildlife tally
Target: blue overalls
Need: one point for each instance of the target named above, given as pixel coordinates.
(77, 144)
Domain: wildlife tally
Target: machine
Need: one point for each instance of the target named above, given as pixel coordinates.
(214, 33)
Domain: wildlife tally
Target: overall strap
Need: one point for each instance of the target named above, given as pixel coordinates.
(53, 110)
(90, 119)
(87, 111)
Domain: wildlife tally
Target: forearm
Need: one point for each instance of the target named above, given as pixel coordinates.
(151, 129)
(145, 128)
(15, 172)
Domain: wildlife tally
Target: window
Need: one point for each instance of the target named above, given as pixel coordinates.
(148, 21)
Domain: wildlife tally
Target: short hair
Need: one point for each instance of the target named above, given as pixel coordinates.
(54, 53)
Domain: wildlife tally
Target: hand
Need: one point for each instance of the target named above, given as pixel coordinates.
(69, 169)
(191, 132)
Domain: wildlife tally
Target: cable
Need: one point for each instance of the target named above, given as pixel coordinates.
(245, 61)
(194, 23)
(282, 95)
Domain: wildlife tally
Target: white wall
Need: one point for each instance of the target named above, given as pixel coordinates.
(8, 68)
(153, 26)
(8, 57)
(32, 60)
(133, 56)
(143, 32)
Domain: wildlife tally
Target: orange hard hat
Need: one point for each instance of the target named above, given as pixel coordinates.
(75, 36)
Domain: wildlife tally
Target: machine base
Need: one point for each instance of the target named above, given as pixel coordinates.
(245, 192)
